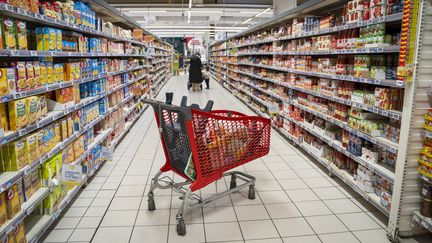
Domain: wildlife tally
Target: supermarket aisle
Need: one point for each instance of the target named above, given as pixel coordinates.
(296, 201)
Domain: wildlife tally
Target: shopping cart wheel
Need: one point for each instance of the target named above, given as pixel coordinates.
(151, 203)
(233, 183)
(251, 194)
(181, 227)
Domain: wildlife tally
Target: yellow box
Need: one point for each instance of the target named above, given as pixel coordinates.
(17, 114)
(37, 75)
(50, 73)
(19, 233)
(70, 124)
(44, 73)
(3, 117)
(33, 147)
(57, 132)
(64, 129)
(19, 155)
(42, 106)
(3, 212)
(9, 28)
(6, 156)
(42, 146)
(21, 33)
(32, 103)
(21, 74)
(13, 206)
(7, 81)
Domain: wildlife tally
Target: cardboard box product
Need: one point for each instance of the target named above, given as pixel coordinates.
(18, 152)
(9, 33)
(21, 35)
(32, 103)
(13, 206)
(7, 81)
(3, 211)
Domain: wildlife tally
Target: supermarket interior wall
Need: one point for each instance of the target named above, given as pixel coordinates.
(74, 76)
(285, 69)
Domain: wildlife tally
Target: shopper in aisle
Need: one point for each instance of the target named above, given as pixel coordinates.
(181, 62)
(206, 76)
(195, 74)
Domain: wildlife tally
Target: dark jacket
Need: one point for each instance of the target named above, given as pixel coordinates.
(195, 74)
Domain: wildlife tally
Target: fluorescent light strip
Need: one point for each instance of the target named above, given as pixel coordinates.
(192, 27)
(190, 4)
(148, 11)
(249, 19)
(263, 12)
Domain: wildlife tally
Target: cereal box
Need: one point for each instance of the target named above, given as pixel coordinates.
(28, 189)
(13, 206)
(42, 146)
(17, 114)
(70, 124)
(21, 76)
(21, 35)
(64, 129)
(3, 213)
(37, 75)
(7, 81)
(6, 156)
(32, 107)
(9, 29)
(36, 180)
(42, 106)
(30, 75)
(19, 155)
(57, 132)
(3, 118)
(44, 73)
(32, 146)
(19, 233)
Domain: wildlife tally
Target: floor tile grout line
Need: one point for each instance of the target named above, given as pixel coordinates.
(103, 216)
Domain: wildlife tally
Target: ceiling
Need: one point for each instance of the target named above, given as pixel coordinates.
(170, 18)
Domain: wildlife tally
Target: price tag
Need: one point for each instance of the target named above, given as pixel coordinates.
(27, 170)
(21, 11)
(14, 53)
(9, 7)
(22, 132)
(371, 167)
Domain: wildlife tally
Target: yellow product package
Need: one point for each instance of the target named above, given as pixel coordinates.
(2, 165)
(3, 117)
(21, 35)
(36, 180)
(30, 75)
(20, 190)
(69, 154)
(13, 206)
(33, 147)
(19, 233)
(28, 189)
(57, 132)
(64, 129)
(7, 81)
(3, 212)
(62, 95)
(6, 156)
(48, 171)
(43, 73)
(42, 106)
(9, 28)
(76, 94)
(59, 40)
(51, 142)
(58, 73)
(19, 155)
(37, 75)
(70, 125)
(42, 146)
(32, 103)
(50, 72)
(21, 76)
(17, 114)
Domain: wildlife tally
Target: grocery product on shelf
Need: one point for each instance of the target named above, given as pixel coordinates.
(66, 76)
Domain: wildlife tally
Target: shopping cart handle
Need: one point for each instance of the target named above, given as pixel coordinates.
(207, 108)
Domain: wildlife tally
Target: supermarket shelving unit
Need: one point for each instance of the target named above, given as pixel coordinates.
(241, 78)
(37, 224)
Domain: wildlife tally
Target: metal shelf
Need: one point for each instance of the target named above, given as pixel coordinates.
(24, 53)
(384, 19)
(382, 142)
(422, 220)
(383, 82)
(8, 10)
(54, 115)
(370, 50)
(50, 87)
(26, 209)
(397, 115)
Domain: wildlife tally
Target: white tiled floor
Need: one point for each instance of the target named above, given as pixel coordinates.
(295, 201)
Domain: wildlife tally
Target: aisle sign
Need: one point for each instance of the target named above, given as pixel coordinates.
(71, 174)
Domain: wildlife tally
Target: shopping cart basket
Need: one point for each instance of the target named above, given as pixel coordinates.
(202, 146)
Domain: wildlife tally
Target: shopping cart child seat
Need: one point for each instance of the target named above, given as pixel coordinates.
(204, 145)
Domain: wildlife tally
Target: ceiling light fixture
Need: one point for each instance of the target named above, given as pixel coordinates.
(147, 11)
(249, 19)
(263, 12)
(190, 4)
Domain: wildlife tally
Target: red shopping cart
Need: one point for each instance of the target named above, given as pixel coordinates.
(202, 146)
